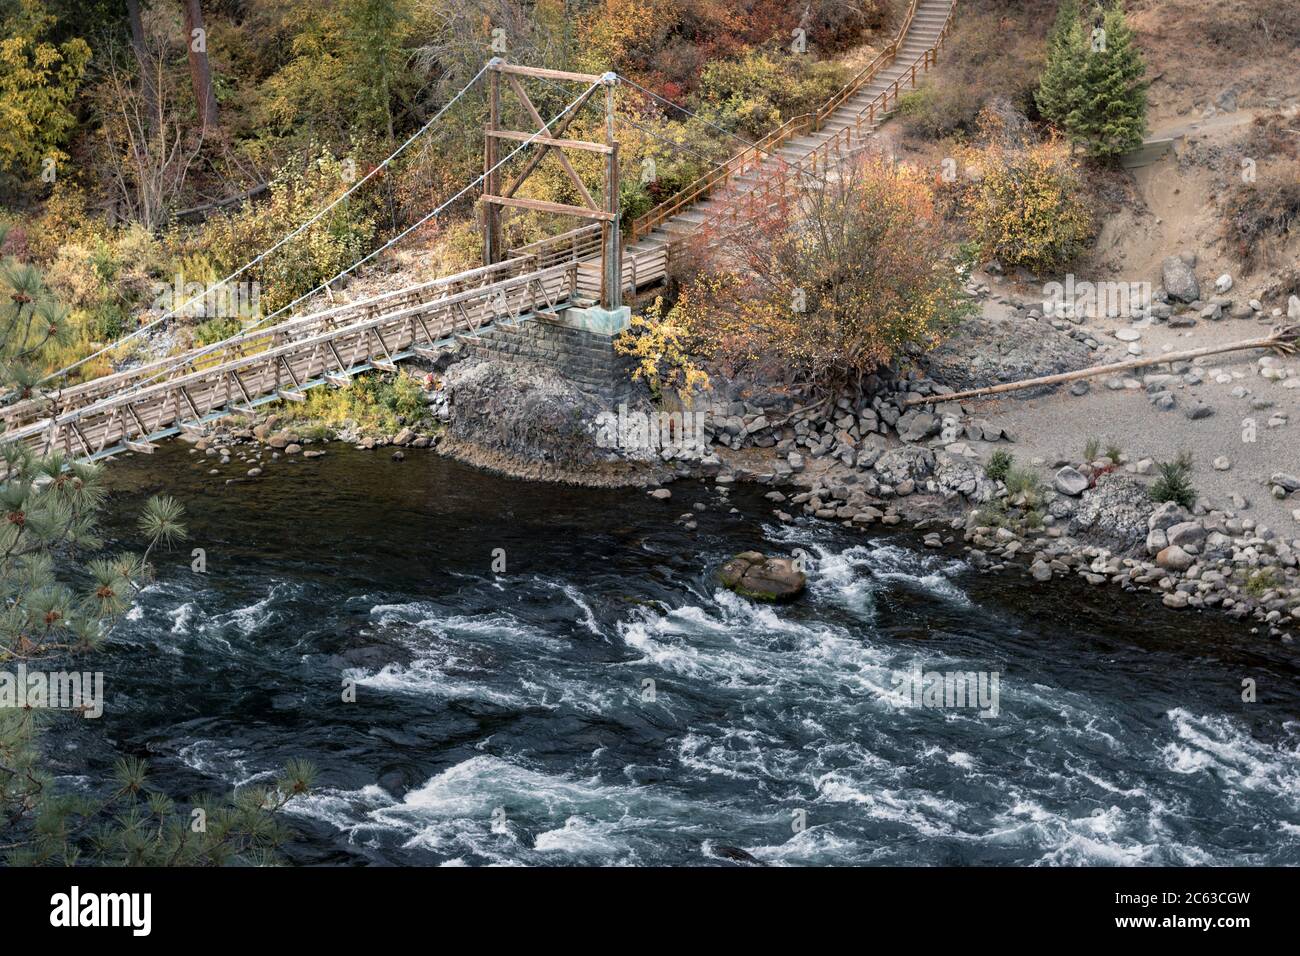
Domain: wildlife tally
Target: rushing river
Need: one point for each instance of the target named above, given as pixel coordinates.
(602, 701)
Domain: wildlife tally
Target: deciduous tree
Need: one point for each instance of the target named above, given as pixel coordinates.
(827, 282)
(38, 84)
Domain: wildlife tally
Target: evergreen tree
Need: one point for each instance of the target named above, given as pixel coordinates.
(1060, 86)
(1110, 117)
(54, 607)
(375, 56)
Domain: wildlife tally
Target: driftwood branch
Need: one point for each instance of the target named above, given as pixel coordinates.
(1282, 340)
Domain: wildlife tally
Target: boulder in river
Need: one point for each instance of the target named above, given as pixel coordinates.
(753, 575)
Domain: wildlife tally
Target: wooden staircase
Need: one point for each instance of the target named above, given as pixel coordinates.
(805, 143)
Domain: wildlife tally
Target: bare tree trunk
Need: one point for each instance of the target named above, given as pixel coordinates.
(148, 82)
(200, 69)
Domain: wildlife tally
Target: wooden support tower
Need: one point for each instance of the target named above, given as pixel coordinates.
(553, 141)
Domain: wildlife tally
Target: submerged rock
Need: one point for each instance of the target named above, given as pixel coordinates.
(736, 854)
(753, 575)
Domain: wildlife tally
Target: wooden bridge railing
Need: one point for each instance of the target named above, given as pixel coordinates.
(87, 393)
(580, 243)
(134, 417)
(831, 151)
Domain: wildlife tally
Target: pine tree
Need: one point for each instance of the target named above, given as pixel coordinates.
(54, 608)
(1110, 116)
(1060, 86)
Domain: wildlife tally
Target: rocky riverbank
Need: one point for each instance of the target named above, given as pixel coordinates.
(1096, 519)
(956, 471)
(866, 462)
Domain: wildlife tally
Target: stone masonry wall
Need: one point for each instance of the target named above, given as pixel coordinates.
(585, 358)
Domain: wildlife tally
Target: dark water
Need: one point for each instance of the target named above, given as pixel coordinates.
(502, 717)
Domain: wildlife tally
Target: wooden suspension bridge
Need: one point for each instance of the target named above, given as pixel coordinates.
(587, 266)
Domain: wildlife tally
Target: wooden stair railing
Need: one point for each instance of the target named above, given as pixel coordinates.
(759, 151)
(819, 158)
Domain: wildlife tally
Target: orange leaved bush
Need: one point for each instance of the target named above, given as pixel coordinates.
(824, 281)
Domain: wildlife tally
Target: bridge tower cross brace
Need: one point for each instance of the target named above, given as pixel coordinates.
(495, 199)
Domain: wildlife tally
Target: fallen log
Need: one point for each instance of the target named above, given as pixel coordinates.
(1283, 340)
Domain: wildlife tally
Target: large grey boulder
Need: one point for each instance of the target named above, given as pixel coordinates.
(1166, 516)
(963, 477)
(900, 464)
(752, 575)
(526, 421)
(1179, 280)
(1069, 481)
(1113, 515)
(1186, 534)
(917, 425)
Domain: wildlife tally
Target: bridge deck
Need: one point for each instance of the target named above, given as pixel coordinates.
(134, 408)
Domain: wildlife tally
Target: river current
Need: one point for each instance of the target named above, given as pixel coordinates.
(599, 699)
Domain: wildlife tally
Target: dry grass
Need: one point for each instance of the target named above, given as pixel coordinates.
(996, 52)
(1200, 47)
(1261, 218)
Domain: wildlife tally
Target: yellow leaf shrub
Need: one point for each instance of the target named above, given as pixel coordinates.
(1024, 204)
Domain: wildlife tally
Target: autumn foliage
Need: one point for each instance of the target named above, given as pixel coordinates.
(669, 43)
(1022, 200)
(828, 282)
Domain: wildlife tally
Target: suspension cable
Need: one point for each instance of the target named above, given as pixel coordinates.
(62, 373)
(479, 179)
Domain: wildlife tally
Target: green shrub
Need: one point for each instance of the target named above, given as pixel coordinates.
(320, 252)
(940, 111)
(1174, 481)
(1262, 581)
(757, 92)
(1093, 449)
(376, 403)
(1022, 481)
(1027, 204)
(999, 464)
(634, 200)
(107, 322)
(316, 432)
(214, 330)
